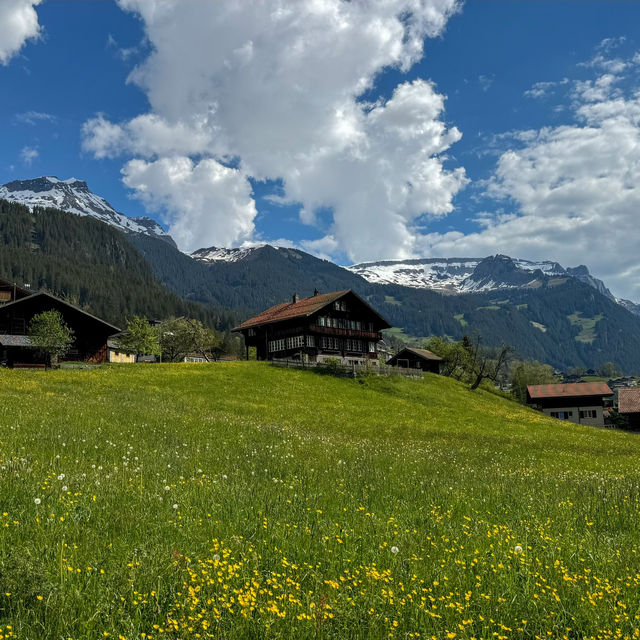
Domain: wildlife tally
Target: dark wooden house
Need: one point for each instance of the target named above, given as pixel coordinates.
(582, 403)
(339, 325)
(629, 406)
(17, 308)
(410, 358)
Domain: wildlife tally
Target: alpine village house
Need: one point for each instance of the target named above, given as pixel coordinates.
(338, 325)
(18, 305)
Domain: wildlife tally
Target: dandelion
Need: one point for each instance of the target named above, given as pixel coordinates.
(394, 550)
(37, 500)
(64, 487)
(167, 488)
(61, 476)
(518, 549)
(175, 506)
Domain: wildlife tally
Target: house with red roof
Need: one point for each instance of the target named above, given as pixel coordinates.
(338, 325)
(629, 406)
(581, 402)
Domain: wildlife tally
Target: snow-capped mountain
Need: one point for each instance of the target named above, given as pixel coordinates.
(470, 275)
(220, 254)
(75, 196)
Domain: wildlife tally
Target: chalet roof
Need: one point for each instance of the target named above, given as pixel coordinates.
(301, 309)
(629, 400)
(539, 391)
(14, 341)
(33, 296)
(421, 353)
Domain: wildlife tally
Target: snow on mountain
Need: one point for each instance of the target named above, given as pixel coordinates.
(74, 196)
(466, 275)
(220, 254)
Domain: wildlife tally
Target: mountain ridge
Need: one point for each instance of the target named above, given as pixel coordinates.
(74, 196)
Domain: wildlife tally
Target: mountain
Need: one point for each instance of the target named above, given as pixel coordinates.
(542, 310)
(90, 264)
(75, 196)
(460, 275)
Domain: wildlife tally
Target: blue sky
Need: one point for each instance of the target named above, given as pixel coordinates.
(512, 131)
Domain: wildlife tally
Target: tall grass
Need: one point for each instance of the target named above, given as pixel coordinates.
(238, 500)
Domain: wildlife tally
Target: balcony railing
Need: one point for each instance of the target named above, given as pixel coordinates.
(349, 333)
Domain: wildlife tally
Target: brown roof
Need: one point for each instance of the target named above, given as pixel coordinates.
(568, 390)
(629, 400)
(422, 353)
(303, 308)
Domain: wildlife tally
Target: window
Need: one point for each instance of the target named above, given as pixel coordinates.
(372, 347)
(340, 305)
(588, 413)
(276, 345)
(251, 332)
(295, 342)
(311, 341)
(321, 321)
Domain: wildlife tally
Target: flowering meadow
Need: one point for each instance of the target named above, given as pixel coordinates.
(237, 500)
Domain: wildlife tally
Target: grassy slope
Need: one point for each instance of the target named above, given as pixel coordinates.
(238, 500)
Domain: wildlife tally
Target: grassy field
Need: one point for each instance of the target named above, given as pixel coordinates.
(238, 500)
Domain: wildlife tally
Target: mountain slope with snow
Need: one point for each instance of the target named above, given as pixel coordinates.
(74, 196)
(469, 275)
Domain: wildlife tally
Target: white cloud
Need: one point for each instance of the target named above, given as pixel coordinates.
(28, 155)
(273, 87)
(200, 200)
(33, 117)
(18, 23)
(572, 193)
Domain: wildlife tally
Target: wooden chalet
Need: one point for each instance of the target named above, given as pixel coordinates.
(339, 325)
(18, 306)
(410, 358)
(582, 402)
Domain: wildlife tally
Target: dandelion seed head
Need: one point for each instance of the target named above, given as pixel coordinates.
(37, 500)
(394, 550)
(517, 549)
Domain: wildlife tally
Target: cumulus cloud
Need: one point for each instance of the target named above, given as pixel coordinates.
(273, 88)
(570, 193)
(18, 23)
(199, 200)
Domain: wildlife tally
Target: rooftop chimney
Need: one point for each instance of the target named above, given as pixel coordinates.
(295, 298)
(315, 292)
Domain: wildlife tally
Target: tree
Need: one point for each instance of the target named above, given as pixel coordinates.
(608, 370)
(181, 336)
(470, 362)
(141, 337)
(485, 363)
(523, 374)
(50, 334)
(455, 358)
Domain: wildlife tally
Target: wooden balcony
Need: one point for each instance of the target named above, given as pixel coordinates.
(345, 333)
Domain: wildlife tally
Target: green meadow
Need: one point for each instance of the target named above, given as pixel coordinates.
(239, 500)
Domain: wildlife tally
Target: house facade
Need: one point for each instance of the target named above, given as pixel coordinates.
(582, 402)
(338, 325)
(410, 358)
(17, 308)
(629, 406)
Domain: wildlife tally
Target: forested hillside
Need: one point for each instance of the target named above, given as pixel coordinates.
(88, 263)
(563, 322)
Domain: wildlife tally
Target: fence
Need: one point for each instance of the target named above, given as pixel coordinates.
(348, 370)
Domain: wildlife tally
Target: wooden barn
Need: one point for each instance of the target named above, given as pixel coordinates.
(410, 358)
(17, 308)
(338, 325)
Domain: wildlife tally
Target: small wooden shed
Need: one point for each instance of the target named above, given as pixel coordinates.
(410, 358)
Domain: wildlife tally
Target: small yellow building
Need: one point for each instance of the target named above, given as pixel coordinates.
(117, 353)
